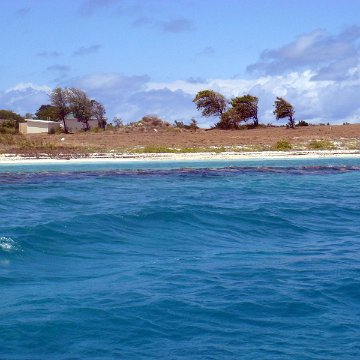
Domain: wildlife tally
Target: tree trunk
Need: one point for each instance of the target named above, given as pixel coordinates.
(66, 131)
(292, 122)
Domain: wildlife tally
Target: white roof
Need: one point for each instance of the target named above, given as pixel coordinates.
(41, 121)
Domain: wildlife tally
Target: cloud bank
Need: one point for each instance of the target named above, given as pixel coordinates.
(318, 73)
(132, 97)
(332, 57)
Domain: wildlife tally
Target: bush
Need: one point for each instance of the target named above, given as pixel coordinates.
(10, 115)
(179, 124)
(282, 145)
(302, 123)
(321, 145)
(95, 130)
(9, 126)
(153, 121)
(193, 125)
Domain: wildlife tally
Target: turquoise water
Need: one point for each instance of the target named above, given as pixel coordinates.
(206, 260)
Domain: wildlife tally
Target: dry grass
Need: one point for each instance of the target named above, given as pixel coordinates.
(178, 140)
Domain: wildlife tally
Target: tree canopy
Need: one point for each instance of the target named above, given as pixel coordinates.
(80, 105)
(75, 101)
(246, 107)
(230, 120)
(284, 109)
(241, 109)
(210, 103)
(10, 115)
(59, 100)
(47, 112)
(98, 111)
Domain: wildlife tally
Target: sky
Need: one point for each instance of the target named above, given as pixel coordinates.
(142, 57)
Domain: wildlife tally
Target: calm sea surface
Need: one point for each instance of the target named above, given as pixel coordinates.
(207, 260)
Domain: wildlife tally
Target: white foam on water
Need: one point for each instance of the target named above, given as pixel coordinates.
(7, 244)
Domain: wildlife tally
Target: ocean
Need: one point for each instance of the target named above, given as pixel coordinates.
(184, 260)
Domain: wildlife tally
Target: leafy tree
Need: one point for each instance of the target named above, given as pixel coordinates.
(59, 100)
(246, 108)
(98, 111)
(284, 109)
(229, 120)
(47, 112)
(210, 103)
(80, 105)
(10, 115)
(242, 108)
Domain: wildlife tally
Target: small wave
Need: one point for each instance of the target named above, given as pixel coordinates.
(224, 171)
(7, 244)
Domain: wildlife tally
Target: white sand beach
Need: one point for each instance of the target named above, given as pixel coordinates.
(165, 157)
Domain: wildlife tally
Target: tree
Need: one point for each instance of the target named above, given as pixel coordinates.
(210, 103)
(193, 125)
(98, 111)
(59, 100)
(80, 105)
(284, 109)
(229, 120)
(246, 108)
(47, 112)
(118, 122)
(10, 115)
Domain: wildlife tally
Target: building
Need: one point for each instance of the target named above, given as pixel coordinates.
(73, 125)
(31, 126)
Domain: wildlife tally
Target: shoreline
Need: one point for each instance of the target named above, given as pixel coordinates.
(6, 159)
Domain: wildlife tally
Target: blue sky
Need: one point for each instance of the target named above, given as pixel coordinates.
(152, 56)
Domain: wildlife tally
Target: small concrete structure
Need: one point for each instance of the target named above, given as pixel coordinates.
(31, 126)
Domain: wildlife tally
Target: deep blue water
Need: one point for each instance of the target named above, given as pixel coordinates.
(217, 260)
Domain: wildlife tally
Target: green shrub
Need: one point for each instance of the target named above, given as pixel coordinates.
(321, 145)
(302, 123)
(6, 130)
(9, 126)
(282, 145)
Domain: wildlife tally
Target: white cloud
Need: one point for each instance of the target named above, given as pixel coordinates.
(132, 97)
(315, 101)
(24, 97)
(27, 86)
(330, 56)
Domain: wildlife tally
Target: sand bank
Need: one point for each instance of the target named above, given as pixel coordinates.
(261, 155)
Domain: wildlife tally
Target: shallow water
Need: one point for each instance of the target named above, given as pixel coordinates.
(210, 260)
